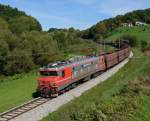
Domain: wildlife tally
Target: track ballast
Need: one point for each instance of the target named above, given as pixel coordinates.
(15, 112)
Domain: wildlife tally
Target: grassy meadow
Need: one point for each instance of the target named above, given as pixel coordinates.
(141, 33)
(123, 97)
(18, 89)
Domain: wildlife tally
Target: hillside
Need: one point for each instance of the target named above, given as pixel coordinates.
(141, 33)
(24, 46)
(139, 36)
(104, 28)
(123, 97)
(18, 21)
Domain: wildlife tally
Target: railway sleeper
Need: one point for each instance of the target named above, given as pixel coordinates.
(30, 106)
(40, 101)
(12, 114)
(37, 103)
(19, 110)
(7, 116)
(25, 108)
(3, 119)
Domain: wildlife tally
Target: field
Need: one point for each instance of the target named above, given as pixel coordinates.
(113, 98)
(126, 94)
(25, 47)
(142, 33)
(17, 89)
(123, 97)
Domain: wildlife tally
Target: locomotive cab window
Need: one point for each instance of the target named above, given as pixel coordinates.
(63, 73)
(49, 73)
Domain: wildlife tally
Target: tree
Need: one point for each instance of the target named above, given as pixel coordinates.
(133, 42)
(145, 45)
(9, 13)
(98, 38)
(24, 24)
(62, 40)
(41, 45)
(3, 24)
(18, 61)
(106, 26)
(4, 50)
(102, 28)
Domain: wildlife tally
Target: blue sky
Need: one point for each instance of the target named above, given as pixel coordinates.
(79, 14)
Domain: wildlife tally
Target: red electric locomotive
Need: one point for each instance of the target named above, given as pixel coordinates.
(56, 77)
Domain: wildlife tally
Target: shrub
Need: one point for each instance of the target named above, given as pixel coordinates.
(90, 113)
(132, 40)
(18, 61)
(145, 45)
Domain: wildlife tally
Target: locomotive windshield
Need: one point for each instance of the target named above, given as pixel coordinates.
(48, 73)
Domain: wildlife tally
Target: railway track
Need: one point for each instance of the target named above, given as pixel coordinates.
(15, 112)
(50, 107)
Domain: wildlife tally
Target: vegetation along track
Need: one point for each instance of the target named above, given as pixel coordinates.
(15, 112)
(37, 108)
(6, 116)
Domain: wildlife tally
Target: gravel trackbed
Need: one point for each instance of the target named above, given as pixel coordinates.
(52, 105)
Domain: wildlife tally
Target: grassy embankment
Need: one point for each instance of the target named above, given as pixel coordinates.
(122, 97)
(125, 96)
(15, 90)
(141, 33)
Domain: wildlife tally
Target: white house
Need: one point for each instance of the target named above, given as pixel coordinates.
(138, 23)
(127, 24)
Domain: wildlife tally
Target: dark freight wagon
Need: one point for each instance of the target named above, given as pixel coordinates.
(63, 75)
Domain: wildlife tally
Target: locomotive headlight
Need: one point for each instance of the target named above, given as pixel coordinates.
(51, 84)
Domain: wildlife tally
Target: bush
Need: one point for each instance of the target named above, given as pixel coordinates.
(132, 40)
(90, 113)
(18, 61)
(145, 45)
(23, 44)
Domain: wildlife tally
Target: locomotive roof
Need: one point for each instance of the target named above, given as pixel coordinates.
(71, 62)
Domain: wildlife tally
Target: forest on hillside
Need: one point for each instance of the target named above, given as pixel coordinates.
(24, 45)
(104, 28)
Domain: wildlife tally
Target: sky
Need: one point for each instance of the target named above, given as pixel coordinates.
(80, 14)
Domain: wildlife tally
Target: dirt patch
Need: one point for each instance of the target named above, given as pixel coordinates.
(147, 52)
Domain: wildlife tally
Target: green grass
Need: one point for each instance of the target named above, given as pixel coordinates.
(103, 95)
(88, 48)
(16, 90)
(142, 33)
(146, 109)
(106, 98)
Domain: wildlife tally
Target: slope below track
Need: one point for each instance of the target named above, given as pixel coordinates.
(43, 110)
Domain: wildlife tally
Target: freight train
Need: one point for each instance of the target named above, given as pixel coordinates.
(58, 77)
